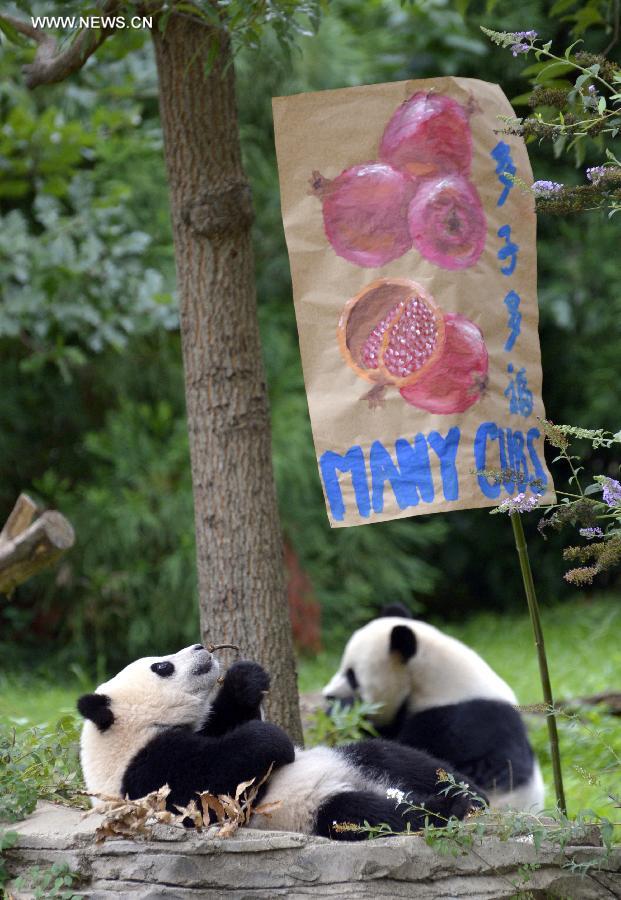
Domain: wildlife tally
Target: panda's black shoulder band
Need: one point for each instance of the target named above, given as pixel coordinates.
(96, 707)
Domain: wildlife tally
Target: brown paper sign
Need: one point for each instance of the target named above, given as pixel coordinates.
(413, 261)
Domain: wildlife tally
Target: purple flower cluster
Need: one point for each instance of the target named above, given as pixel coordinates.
(590, 533)
(520, 37)
(595, 173)
(520, 503)
(545, 188)
(612, 492)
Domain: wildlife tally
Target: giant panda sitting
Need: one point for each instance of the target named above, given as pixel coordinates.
(156, 723)
(437, 695)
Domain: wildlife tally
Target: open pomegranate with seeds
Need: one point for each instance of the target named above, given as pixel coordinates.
(458, 377)
(393, 334)
(389, 333)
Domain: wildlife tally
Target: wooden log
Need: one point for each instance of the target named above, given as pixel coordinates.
(27, 546)
(24, 511)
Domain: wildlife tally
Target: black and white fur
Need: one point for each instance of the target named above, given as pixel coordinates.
(155, 723)
(437, 695)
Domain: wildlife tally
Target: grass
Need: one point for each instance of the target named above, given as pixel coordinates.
(584, 651)
(32, 700)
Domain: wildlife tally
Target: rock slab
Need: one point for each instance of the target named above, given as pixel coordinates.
(261, 865)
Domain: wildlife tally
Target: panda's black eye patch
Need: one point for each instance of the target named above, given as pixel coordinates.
(165, 669)
(350, 675)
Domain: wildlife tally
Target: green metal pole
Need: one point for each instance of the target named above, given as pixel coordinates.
(533, 608)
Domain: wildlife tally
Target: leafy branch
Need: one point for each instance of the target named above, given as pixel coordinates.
(568, 113)
(51, 64)
(243, 21)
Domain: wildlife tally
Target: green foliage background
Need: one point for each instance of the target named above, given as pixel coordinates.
(91, 399)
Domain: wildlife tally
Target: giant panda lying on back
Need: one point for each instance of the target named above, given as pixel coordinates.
(156, 723)
(438, 695)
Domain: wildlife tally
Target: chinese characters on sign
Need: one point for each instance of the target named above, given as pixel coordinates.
(517, 392)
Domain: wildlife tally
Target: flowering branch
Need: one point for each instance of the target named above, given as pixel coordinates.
(590, 107)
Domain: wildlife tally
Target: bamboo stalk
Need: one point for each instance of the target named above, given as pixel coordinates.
(533, 608)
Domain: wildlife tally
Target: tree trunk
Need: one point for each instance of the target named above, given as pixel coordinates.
(238, 538)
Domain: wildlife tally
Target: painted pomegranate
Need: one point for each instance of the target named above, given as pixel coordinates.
(447, 222)
(365, 212)
(429, 133)
(456, 378)
(390, 333)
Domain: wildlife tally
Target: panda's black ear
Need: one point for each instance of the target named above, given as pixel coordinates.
(403, 642)
(96, 707)
(394, 609)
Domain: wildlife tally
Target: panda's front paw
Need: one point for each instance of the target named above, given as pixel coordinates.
(247, 683)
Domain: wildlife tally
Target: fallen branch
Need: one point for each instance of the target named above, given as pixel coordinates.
(610, 699)
(30, 542)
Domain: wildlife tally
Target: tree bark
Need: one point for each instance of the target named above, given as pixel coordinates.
(238, 537)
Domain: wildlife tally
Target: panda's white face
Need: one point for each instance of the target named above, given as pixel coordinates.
(148, 695)
(163, 690)
(373, 672)
(392, 660)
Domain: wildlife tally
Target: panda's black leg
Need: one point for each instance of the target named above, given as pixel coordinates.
(417, 774)
(344, 815)
(239, 699)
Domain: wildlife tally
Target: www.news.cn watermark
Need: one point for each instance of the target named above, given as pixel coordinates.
(109, 23)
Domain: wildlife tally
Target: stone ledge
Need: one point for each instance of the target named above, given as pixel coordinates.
(179, 863)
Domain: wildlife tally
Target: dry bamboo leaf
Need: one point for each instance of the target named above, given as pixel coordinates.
(242, 787)
(192, 812)
(231, 807)
(265, 777)
(211, 802)
(266, 809)
(227, 830)
(133, 818)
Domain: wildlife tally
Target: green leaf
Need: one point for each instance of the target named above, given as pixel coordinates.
(553, 70)
(584, 18)
(580, 80)
(593, 489)
(521, 99)
(212, 52)
(12, 33)
(561, 6)
(567, 53)
(601, 105)
(559, 145)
